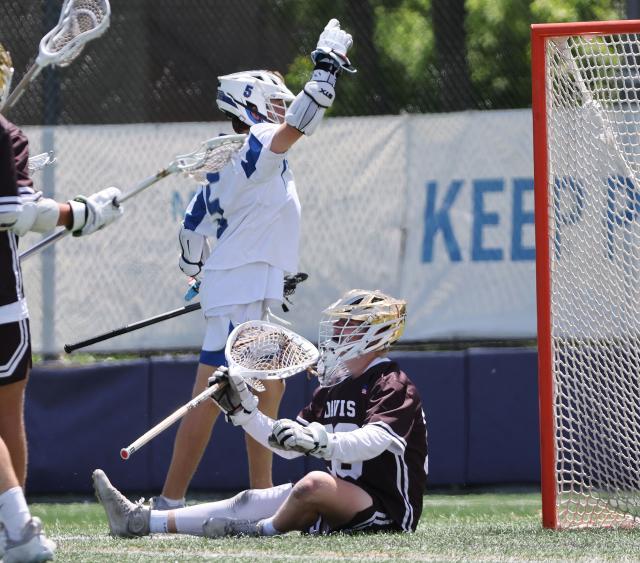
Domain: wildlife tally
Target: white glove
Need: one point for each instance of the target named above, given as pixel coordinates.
(195, 251)
(334, 42)
(90, 214)
(309, 440)
(234, 398)
(330, 57)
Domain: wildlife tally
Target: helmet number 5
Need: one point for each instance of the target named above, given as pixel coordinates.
(247, 91)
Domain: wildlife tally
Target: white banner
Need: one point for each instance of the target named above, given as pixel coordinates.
(436, 209)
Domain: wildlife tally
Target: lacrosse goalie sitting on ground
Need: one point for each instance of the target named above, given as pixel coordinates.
(365, 419)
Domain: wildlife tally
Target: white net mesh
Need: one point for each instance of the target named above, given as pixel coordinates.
(83, 17)
(268, 348)
(594, 243)
(210, 159)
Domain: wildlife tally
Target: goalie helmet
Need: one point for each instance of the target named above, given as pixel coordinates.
(6, 74)
(361, 321)
(254, 96)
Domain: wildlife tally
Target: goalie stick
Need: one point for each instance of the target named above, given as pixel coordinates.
(254, 350)
(290, 283)
(80, 22)
(210, 156)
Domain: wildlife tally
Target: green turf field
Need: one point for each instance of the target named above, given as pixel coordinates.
(462, 527)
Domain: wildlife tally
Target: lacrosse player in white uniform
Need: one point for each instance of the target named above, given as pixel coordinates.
(365, 420)
(21, 210)
(250, 209)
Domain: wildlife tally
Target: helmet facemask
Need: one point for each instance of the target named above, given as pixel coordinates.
(6, 75)
(360, 322)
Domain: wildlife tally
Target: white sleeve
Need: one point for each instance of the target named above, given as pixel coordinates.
(361, 444)
(259, 428)
(256, 161)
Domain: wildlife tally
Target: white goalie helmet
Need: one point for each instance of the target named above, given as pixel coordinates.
(6, 74)
(254, 96)
(361, 321)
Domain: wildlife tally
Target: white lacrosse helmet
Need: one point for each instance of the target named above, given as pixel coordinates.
(6, 74)
(361, 321)
(254, 96)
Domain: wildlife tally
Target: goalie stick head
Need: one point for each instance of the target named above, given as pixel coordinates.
(254, 96)
(263, 350)
(6, 74)
(361, 321)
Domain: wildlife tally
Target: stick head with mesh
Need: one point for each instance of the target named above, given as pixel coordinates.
(210, 157)
(80, 21)
(268, 351)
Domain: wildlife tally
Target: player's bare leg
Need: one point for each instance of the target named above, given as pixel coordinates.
(191, 440)
(319, 493)
(21, 536)
(12, 429)
(260, 458)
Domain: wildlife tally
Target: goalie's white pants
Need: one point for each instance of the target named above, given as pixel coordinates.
(236, 296)
(253, 504)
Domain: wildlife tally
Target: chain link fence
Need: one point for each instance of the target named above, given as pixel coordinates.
(149, 84)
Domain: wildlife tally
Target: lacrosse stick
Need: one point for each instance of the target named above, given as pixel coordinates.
(40, 161)
(255, 350)
(210, 156)
(80, 21)
(68, 348)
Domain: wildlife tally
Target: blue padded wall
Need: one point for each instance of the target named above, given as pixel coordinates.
(480, 404)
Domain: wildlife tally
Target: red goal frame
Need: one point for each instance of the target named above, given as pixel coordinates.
(539, 35)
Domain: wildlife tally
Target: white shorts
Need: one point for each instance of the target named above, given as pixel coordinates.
(236, 296)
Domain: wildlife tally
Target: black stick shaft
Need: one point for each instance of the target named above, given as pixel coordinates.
(68, 348)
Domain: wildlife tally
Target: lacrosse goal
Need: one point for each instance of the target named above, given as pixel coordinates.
(586, 121)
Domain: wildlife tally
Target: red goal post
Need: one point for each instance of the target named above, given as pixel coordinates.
(586, 123)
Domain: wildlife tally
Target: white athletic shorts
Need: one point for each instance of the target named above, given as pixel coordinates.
(236, 296)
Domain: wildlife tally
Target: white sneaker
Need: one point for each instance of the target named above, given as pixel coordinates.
(126, 519)
(221, 526)
(32, 547)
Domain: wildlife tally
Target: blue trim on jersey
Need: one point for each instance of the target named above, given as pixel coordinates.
(213, 177)
(252, 156)
(194, 217)
(210, 358)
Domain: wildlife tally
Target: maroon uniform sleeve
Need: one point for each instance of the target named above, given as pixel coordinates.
(8, 188)
(392, 406)
(20, 145)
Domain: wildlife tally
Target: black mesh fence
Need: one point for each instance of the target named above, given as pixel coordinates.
(159, 60)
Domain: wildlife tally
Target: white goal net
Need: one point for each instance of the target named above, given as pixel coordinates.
(589, 312)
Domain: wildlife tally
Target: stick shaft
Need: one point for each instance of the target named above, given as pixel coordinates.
(133, 326)
(55, 237)
(125, 453)
(21, 87)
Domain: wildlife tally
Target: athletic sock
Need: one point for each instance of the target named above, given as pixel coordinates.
(267, 528)
(158, 522)
(14, 512)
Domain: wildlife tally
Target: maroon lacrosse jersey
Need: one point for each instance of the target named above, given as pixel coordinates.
(384, 396)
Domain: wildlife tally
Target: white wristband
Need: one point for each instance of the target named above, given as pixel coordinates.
(79, 212)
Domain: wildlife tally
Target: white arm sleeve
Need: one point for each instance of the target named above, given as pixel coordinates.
(361, 444)
(259, 428)
(40, 216)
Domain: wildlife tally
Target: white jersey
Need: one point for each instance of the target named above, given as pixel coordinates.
(250, 208)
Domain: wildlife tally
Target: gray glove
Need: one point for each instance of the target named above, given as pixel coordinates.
(290, 435)
(233, 397)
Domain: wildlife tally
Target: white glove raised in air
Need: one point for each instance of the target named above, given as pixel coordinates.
(90, 214)
(329, 57)
(233, 396)
(195, 251)
(334, 42)
(290, 435)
